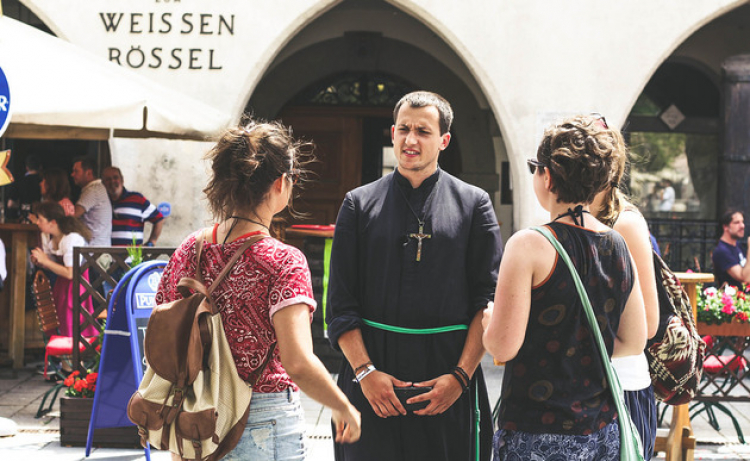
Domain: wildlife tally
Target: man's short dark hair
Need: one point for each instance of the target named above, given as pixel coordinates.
(87, 163)
(728, 215)
(424, 99)
(32, 162)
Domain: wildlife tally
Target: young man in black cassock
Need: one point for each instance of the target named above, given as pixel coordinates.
(416, 252)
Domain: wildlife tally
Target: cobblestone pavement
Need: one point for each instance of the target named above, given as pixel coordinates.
(22, 390)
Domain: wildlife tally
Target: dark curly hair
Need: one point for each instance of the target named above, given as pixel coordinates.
(246, 161)
(579, 153)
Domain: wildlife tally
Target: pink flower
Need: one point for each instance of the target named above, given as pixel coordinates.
(726, 300)
(729, 309)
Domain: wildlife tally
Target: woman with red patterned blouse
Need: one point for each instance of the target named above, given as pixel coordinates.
(267, 297)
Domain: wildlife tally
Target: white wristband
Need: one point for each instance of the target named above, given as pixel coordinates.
(370, 368)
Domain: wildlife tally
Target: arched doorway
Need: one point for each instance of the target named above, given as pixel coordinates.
(677, 132)
(336, 82)
(348, 117)
(674, 131)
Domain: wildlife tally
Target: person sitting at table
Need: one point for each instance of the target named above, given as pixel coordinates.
(60, 234)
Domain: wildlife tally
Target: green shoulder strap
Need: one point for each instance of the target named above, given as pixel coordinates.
(630, 442)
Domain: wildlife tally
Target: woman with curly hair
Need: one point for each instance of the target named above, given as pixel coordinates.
(555, 402)
(266, 297)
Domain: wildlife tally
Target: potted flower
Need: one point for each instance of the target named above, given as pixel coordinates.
(81, 386)
(724, 311)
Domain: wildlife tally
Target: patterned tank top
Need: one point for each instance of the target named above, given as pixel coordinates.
(556, 383)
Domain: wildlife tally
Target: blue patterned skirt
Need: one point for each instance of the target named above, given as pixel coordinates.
(517, 445)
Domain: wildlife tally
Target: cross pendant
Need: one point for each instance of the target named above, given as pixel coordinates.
(420, 236)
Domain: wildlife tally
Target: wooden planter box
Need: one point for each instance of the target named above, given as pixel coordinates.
(724, 329)
(75, 414)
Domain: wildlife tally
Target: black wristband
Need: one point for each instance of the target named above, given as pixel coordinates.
(460, 379)
(464, 374)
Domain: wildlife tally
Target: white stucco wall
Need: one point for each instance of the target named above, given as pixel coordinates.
(533, 60)
(167, 171)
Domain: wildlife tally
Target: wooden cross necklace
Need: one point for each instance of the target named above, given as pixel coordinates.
(420, 235)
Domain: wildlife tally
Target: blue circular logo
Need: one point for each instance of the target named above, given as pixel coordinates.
(164, 208)
(4, 102)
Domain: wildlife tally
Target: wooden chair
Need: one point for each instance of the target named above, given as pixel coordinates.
(56, 345)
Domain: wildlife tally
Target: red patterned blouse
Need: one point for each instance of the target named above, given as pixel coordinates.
(267, 278)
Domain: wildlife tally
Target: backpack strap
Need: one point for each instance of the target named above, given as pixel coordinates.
(255, 375)
(230, 264)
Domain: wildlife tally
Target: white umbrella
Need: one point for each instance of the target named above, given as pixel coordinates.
(55, 83)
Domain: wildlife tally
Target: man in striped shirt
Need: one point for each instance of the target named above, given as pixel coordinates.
(130, 210)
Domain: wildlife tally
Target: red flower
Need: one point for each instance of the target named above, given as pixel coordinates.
(91, 378)
(69, 380)
(80, 385)
(742, 316)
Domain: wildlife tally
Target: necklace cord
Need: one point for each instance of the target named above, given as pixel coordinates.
(240, 218)
(574, 213)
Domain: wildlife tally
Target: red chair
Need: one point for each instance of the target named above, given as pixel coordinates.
(729, 368)
(56, 345)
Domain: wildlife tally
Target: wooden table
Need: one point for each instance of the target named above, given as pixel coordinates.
(22, 236)
(680, 443)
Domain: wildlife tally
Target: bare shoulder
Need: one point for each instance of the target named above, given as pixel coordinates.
(527, 244)
(631, 224)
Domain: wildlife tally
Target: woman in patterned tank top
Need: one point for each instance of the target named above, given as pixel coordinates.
(266, 297)
(555, 400)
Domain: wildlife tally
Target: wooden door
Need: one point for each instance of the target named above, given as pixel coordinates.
(337, 169)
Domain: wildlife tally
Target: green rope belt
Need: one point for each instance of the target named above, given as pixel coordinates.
(414, 331)
(430, 331)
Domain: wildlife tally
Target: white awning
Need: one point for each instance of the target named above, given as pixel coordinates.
(55, 83)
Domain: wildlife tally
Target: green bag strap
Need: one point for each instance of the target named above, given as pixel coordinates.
(630, 442)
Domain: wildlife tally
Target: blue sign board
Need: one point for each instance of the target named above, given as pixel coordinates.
(123, 362)
(164, 208)
(4, 102)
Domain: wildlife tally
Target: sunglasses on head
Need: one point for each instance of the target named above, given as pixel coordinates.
(600, 118)
(534, 164)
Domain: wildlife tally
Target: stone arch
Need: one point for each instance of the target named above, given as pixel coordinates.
(324, 48)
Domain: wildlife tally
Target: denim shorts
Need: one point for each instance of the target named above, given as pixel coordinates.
(275, 429)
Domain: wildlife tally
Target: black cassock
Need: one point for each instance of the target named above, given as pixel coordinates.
(374, 275)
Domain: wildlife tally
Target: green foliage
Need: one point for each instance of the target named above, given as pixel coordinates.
(652, 152)
(135, 252)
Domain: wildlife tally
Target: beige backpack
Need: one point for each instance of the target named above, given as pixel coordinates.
(191, 400)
